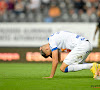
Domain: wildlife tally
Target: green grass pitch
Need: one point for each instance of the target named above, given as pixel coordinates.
(28, 76)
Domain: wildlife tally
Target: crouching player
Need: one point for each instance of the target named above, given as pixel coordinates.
(80, 49)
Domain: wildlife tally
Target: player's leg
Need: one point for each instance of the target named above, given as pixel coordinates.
(78, 67)
(64, 68)
(76, 56)
(70, 68)
(71, 63)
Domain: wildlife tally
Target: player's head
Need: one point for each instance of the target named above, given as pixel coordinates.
(45, 51)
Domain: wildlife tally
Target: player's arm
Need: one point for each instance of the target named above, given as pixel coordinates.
(54, 63)
(59, 56)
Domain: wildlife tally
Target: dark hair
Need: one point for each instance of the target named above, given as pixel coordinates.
(44, 55)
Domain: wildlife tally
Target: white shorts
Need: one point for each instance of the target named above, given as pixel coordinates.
(79, 53)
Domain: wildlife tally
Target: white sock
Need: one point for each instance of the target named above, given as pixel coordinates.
(79, 67)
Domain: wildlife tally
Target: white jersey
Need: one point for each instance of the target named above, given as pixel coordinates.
(64, 40)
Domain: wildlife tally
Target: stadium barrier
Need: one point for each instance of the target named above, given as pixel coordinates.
(32, 54)
(19, 42)
(9, 56)
(36, 34)
(35, 56)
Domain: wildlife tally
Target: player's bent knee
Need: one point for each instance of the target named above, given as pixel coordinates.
(62, 69)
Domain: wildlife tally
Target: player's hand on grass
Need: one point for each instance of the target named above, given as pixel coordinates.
(47, 77)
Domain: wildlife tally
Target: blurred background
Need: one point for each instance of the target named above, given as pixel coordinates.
(25, 25)
(49, 10)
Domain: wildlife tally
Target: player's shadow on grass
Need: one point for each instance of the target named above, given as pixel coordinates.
(59, 77)
(22, 78)
(73, 76)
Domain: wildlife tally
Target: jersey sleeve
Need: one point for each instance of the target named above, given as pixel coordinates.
(52, 43)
